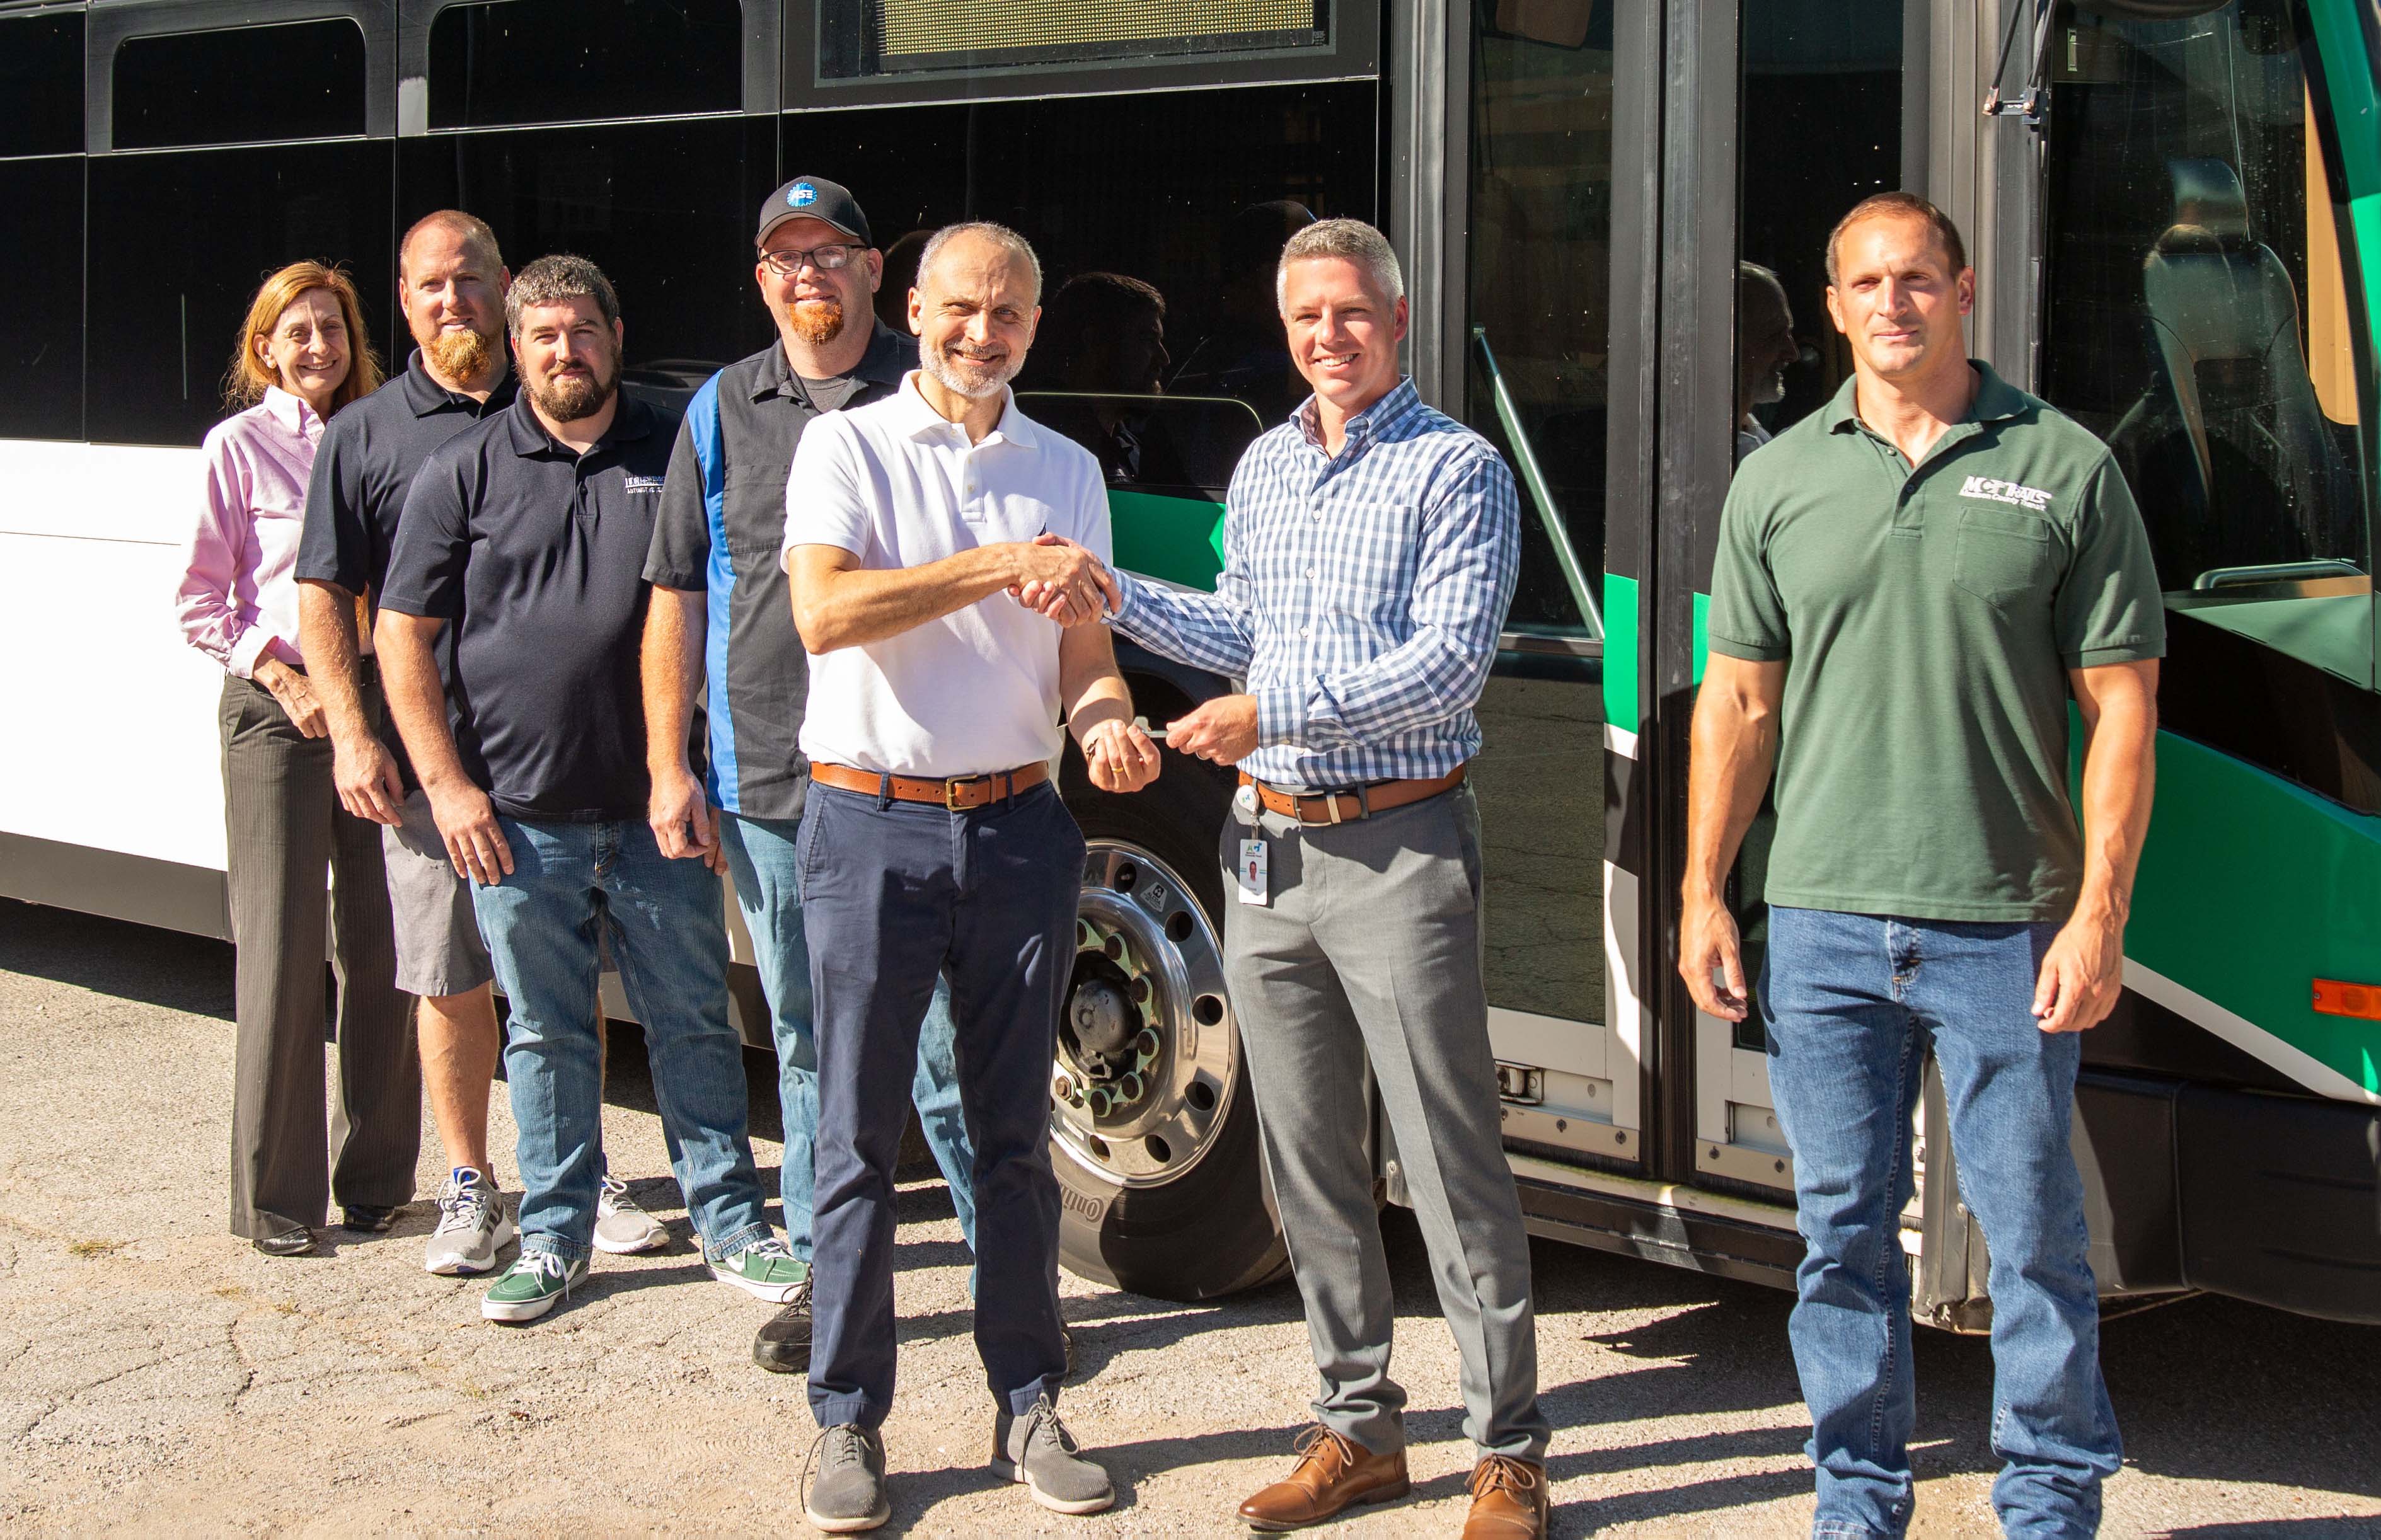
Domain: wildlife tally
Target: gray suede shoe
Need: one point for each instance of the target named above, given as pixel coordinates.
(849, 1495)
(1038, 1451)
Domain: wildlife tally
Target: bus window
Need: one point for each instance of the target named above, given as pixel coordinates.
(40, 326)
(2197, 317)
(664, 208)
(865, 39)
(302, 80)
(1538, 323)
(179, 241)
(41, 79)
(557, 61)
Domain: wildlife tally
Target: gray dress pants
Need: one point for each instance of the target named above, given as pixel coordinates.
(285, 826)
(1369, 950)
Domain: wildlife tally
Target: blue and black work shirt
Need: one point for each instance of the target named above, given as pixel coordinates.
(721, 532)
(533, 555)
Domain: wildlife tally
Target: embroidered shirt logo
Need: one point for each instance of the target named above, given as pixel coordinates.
(644, 483)
(1991, 491)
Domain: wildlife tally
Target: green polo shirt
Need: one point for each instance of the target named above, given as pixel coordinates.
(1927, 617)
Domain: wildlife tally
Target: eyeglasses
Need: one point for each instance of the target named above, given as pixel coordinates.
(826, 258)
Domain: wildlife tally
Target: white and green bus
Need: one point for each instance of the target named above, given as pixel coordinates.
(2175, 211)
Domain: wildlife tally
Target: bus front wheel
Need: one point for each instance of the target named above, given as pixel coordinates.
(1154, 1131)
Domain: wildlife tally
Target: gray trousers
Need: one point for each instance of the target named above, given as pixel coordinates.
(1370, 951)
(284, 826)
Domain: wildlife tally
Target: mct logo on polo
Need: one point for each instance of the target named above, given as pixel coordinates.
(2006, 492)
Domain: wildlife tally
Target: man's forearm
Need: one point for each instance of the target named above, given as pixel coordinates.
(2120, 778)
(417, 701)
(852, 607)
(1733, 751)
(326, 634)
(671, 667)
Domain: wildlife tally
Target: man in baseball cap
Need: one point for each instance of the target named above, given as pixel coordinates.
(721, 623)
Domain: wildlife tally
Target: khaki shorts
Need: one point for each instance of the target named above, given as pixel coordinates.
(438, 946)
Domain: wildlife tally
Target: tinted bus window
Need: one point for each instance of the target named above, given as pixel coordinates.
(859, 39)
(181, 242)
(40, 325)
(550, 61)
(41, 79)
(2197, 316)
(666, 209)
(302, 80)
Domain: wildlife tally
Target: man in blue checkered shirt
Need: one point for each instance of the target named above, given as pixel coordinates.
(1369, 555)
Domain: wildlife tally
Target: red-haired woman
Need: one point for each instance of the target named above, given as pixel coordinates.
(302, 356)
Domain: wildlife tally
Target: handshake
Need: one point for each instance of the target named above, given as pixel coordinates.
(1063, 581)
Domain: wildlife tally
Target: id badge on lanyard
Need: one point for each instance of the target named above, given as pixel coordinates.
(1252, 870)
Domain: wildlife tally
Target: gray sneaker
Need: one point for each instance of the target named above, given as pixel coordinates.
(473, 1225)
(621, 1228)
(1038, 1451)
(849, 1496)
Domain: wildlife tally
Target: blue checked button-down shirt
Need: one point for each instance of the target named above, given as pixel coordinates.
(1360, 596)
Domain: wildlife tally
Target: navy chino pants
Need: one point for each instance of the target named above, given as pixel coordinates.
(894, 892)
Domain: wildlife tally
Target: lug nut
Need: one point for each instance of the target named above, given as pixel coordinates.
(1128, 1090)
(1146, 1042)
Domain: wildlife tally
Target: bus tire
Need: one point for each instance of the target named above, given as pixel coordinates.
(1194, 1220)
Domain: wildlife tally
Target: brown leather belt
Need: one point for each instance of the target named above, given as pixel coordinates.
(959, 793)
(1347, 807)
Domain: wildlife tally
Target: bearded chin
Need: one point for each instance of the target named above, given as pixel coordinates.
(816, 321)
(462, 355)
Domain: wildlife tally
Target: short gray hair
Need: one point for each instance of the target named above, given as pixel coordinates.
(551, 280)
(1000, 234)
(1350, 240)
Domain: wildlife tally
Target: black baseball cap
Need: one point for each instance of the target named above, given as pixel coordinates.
(813, 198)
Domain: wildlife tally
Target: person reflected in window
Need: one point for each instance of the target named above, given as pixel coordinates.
(1764, 347)
(302, 356)
(1242, 354)
(892, 299)
(1101, 339)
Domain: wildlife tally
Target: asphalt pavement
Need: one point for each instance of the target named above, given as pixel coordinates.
(155, 1374)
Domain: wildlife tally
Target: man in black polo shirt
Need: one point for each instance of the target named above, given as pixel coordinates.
(721, 616)
(527, 535)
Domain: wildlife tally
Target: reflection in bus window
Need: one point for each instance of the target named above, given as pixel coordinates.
(40, 326)
(156, 346)
(41, 79)
(554, 61)
(664, 208)
(2195, 292)
(304, 80)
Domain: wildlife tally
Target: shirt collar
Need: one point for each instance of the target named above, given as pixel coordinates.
(921, 421)
(426, 395)
(633, 421)
(881, 365)
(1997, 401)
(1366, 426)
(291, 412)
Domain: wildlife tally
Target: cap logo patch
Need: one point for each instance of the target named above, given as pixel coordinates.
(801, 195)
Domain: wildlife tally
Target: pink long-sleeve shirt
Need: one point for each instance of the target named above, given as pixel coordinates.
(238, 597)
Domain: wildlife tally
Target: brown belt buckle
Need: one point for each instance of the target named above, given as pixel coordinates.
(951, 790)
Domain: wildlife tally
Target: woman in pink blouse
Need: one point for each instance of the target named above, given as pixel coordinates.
(302, 356)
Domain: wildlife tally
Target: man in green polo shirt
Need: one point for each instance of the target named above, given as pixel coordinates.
(1910, 586)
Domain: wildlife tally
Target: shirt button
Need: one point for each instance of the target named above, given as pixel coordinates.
(1306, 630)
(1310, 571)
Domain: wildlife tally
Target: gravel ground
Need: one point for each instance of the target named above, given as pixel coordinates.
(156, 1373)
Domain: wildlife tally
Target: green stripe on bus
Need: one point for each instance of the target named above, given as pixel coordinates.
(2355, 103)
(1620, 652)
(1179, 540)
(2250, 888)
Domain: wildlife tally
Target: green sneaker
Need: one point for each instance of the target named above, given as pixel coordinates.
(764, 1270)
(531, 1286)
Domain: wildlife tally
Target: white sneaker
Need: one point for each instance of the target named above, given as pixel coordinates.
(621, 1228)
(473, 1225)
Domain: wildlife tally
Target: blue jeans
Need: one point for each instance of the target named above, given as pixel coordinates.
(894, 892)
(760, 859)
(669, 937)
(1852, 1003)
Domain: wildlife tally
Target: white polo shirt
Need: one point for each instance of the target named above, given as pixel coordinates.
(897, 485)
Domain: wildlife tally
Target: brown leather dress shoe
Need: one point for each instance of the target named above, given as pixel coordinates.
(1508, 1500)
(1333, 1474)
